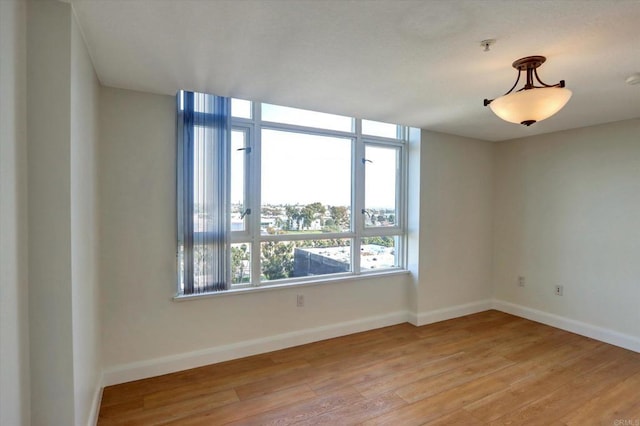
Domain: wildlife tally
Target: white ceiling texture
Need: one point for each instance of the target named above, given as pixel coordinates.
(417, 63)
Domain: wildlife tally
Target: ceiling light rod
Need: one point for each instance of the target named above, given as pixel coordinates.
(512, 106)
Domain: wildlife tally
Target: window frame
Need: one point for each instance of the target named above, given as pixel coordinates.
(357, 232)
(400, 188)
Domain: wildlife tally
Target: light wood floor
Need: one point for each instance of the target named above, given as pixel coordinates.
(487, 368)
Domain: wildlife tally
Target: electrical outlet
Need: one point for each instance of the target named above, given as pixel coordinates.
(559, 290)
(300, 301)
(521, 281)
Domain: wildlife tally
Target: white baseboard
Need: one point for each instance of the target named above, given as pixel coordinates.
(184, 361)
(95, 405)
(169, 364)
(444, 314)
(599, 333)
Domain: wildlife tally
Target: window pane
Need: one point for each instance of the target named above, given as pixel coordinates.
(378, 128)
(381, 185)
(241, 108)
(306, 183)
(240, 264)
(288, 259)
(238, 167)
(379, 253)
(303, 117)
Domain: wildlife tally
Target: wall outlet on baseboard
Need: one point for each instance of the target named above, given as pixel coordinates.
(559, 290)
(300, 301)
(521, 281)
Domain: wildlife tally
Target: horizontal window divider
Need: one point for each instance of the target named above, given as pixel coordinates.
(379, 140)
(240, 237)
(242, 121)
(284, 285)
(382, 232)
(302, 237)
(270, 125)
(309, 278)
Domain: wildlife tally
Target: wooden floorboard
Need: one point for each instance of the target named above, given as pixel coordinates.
(489, 368)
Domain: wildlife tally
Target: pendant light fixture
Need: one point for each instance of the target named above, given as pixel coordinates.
(532, 102)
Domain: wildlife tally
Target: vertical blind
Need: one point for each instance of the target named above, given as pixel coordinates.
(203, 192)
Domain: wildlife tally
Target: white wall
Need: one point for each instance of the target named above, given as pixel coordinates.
(559, 209)
(87, 365)
(14, 331)
(455, 226)
(138, 250)
(415, 198)
(48, 132)
(567, 212)
(143, 327)
(62, 135)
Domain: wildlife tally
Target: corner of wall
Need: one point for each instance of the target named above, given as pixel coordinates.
(564, 214)
(602, 334)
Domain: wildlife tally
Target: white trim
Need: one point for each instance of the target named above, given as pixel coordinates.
(602, 334)
(95, 404)
(443, 314)
(178, 362)
(287, 283)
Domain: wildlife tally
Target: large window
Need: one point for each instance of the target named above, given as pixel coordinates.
(270, 195)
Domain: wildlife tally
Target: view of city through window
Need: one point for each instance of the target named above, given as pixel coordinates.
(311, 194)
(308, 192)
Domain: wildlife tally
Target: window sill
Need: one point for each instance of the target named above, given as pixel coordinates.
(287, 285)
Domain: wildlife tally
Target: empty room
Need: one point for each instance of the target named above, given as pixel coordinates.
(319, 212)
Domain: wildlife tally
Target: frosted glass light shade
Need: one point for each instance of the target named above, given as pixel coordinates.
(527, 106)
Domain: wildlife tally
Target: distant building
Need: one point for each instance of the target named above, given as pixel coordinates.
(332, 260)
(320, 261)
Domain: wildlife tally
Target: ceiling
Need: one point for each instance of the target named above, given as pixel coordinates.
(417, 63)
